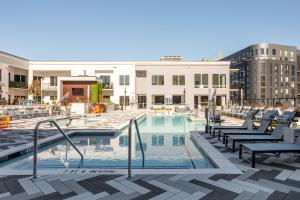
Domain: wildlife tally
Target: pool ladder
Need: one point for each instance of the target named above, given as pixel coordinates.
(35, 140)
(134, 121)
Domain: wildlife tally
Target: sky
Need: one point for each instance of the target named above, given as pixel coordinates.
(143, 29)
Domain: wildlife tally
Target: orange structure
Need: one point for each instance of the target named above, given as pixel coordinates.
(4, 121)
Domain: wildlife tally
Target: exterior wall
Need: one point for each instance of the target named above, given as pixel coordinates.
(248, 76)
(13, 65)
(188, 69)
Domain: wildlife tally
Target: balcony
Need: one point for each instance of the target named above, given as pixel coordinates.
(49, 87)
(19, 85)
(108, 86)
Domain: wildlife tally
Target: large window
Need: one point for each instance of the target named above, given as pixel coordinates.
(124, 80)
(158, 99)
(274, 52)
(158, 80)
(158, 140)
(201, 80)
(141, 73)
(219, 80)
(178, 80)
(77, 91)
(19, 78)
(177, 99)
(53, 80)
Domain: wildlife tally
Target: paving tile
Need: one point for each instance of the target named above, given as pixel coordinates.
(244, 196)
(278, 186)
(45, 187)
(165, 195)
(179, 196)
(60, 187)
(29, 187)
(6, 194)
(120, 187)
(277, 196)
(252, 185)
(284, 175)
(261, 196)
(196, 196)
(293, 196)
(75, 187)
(135, 187)
(164, 186)
(84, 195)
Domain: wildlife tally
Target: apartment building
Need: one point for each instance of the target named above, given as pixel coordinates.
(13, 77)
(171, 80)
(266, 72)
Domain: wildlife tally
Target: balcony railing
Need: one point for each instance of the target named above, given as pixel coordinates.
(15, 84)
(48, 86)
(108, 86)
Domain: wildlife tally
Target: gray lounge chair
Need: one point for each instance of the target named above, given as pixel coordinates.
(247, 124)
(276, 136)
(268, 148)
(263, 127)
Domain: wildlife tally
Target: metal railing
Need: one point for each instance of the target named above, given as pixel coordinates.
(130, 145)
(35, 145)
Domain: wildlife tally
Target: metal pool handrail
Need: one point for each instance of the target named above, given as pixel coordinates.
(35, 146)
(129, 144)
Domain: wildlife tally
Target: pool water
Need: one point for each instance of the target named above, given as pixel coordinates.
(165, 140)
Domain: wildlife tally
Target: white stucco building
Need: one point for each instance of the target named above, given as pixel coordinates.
(147, 83)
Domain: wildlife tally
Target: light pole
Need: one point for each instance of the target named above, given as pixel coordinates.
(124, 98)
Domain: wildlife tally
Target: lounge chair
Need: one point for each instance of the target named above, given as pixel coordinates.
(263, 127)
(247, 124)
(268, 148)
(276, 136)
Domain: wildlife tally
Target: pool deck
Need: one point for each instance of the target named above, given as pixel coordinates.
(274, 178)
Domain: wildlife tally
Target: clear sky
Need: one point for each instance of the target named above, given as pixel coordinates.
(143, 29)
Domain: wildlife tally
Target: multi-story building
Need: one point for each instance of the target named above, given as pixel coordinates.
(266, 72)
(13, 77)
(168, 81)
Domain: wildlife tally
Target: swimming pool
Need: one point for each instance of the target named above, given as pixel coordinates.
(165, 139)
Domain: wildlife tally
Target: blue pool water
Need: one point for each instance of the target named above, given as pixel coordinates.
(165, 140)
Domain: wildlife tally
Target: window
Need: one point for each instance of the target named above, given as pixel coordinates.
(53, 80)
(17, 78)
(158, 140)
(177, 99)
(262, 68)
(105, 79)
(123, 140)
(219, 80)
(124, 79)
(53, 98)
(285, 53)
(178, 80)
(274, 52)
(201, 80)
(121, 100)
(158, 99)
(267, 51)
(0, 75)
(256, 51)
(158, 80)
(23, 78)
(141, 73)
(178, 140)
(291, 54)
(262, 51)
(77, 91)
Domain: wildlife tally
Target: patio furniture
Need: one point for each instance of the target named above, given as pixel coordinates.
(276, 148)
(263, 127)
(4, 121)
(276, 136)
(247, 124)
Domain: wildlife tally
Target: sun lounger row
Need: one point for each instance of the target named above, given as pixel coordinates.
(16, 113)
(266, 140)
